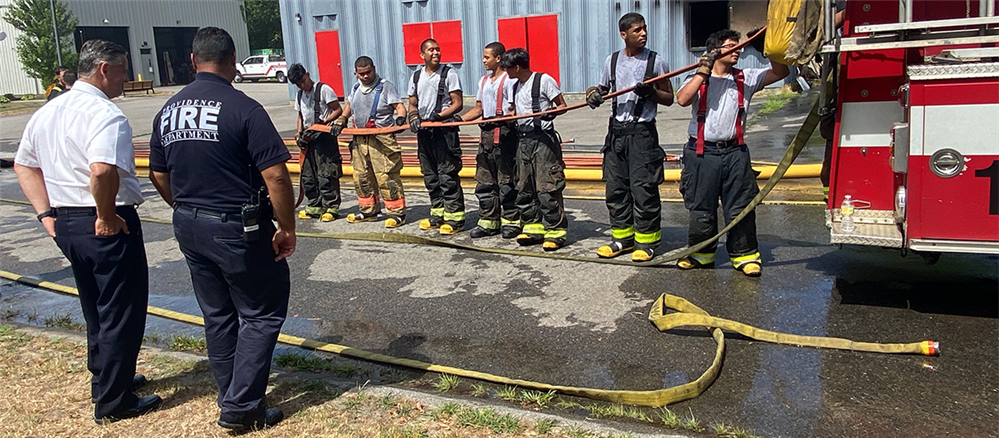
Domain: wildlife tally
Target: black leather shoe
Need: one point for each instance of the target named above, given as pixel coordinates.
(271, 417)
(137, 382)
(510, 232)
(478, 232)
(142, 406)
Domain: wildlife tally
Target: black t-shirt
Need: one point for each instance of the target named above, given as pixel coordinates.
(214, 141)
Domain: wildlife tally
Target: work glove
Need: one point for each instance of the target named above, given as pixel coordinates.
(644, 90)
(400, 120)
(758, 42)
(338, 125)
(707, 62)
(414, 121)
(547, 117)
(487, 126)
(302, 144)
(435, 117)
(453, 119)
(593, 97)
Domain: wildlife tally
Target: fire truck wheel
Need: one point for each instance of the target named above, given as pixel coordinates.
(930, 258)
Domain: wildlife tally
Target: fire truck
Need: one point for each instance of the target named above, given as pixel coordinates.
(916, 143)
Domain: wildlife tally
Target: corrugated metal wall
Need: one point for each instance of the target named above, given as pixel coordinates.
(142, 16)
(13, 80)
(587, 33)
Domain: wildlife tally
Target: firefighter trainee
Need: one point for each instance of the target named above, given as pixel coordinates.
(435, 95)
(377, 159)
(495, 163)
(222, 222)
(540, 169)
(322, 166)
(633, 160)
(716, 161)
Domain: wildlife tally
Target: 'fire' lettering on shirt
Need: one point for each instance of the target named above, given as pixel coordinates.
(190, 120)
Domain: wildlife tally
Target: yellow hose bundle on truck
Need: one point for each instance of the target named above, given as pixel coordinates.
(794, 31)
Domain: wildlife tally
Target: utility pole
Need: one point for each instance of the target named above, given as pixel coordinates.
(55, 31)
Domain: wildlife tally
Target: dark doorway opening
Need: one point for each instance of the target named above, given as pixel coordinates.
(114, 34)
(173, 54)
(704, 19)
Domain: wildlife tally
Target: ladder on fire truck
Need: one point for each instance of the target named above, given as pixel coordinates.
(907, 33)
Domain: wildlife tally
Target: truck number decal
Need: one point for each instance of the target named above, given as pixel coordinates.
(992, 173)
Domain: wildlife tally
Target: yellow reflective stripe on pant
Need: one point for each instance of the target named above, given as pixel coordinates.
(457, 216)
(738, 261)
(557, 233)
(487, 224)
(535, 228)
(510, 223)
(649, 237)
(623, 234)
(439, 212)
(703, 258)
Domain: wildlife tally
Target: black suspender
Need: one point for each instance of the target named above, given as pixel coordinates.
(650, 67)
(317, 94)
(441, 88)
(536, 99)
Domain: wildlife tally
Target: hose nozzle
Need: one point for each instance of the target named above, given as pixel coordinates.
(930, 348)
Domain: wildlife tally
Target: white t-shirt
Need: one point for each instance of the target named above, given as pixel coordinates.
(306, 106)
(426, 100)
(488, 91)
(719, 125)
(630, 71)
(65, 136)
(523, 102)
(360, 105)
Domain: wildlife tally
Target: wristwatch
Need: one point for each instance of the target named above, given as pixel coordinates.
(47, 213)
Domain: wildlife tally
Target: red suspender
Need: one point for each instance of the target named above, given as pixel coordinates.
(702, 110)
(740, 85)
(702, 114)
(499, 107)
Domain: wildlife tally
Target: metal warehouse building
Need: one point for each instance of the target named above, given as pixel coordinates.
(157, 34)
(568, 39)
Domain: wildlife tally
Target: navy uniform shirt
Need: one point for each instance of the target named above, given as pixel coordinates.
(214, 141)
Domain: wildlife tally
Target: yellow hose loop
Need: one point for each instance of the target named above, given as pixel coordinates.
(688, 315)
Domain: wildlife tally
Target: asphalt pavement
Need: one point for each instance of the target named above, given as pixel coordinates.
(585, 324)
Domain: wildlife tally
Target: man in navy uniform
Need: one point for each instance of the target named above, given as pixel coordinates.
(212, 151)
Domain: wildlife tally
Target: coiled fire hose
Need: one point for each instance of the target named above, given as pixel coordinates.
(686, 314)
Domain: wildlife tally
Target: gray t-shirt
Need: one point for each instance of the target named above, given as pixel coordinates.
(360, 105)
(426, 100)
(630, 71)
(524, 105)
(488, 90)
(306, 105)
(723, 104)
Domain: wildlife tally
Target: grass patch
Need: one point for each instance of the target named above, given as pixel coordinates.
(488, 418)
(568, 404)
(544, 426)
(9, 314)
(6, 329)
(187, 343)
(508, 393)
(576, 432)
(65, 322)
(541, 399)
(670, 419)
(478, 389)
(446, 382)
(692, 423)
(773, 103)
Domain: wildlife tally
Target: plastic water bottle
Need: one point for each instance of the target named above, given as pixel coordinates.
(846, 210)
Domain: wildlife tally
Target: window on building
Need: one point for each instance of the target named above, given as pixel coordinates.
(447, 34)
(703, 19)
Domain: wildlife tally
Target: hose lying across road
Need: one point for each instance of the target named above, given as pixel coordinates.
(686, 315)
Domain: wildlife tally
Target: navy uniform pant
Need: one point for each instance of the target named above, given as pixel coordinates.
(495, 179)
(726, 174)
(633, 168)
(440, 161)
(243, 294)
(321, 172)
(113, 281)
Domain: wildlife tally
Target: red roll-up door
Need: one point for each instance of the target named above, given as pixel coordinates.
(328, 56)
(537, 34)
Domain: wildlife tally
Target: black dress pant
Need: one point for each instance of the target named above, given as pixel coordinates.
(113, 281)
(243, 294)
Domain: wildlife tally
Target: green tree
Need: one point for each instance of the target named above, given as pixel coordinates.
(36, 48)
(263, 24)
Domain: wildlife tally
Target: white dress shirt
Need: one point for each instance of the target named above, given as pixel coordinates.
(66, 135)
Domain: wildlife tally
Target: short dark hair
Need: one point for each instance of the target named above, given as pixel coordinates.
(717, 39)
(363, 61)
(69, 77)
(212, 45)
(94, 52)
(497, 48)
(423, 45)
(628, 20)
(295, 73)
(61, 69)
(515, 58)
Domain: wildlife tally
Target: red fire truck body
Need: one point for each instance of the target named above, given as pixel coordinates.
(917, 126)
